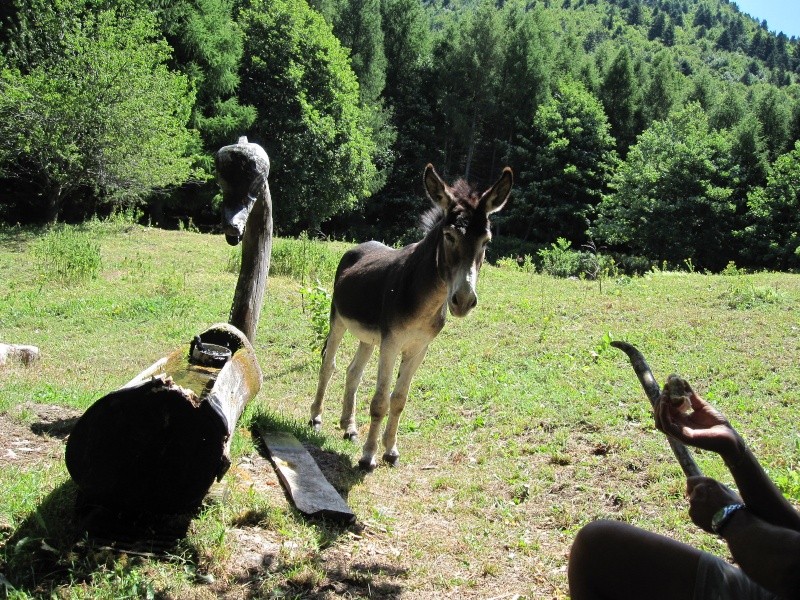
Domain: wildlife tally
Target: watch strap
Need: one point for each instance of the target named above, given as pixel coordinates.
(723, 515)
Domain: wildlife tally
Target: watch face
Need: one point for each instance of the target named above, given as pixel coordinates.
(717, 519)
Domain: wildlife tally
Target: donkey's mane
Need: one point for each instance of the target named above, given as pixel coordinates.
(467, 197)
(430, 219)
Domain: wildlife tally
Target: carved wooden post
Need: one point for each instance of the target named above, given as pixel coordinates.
(242, 170)
(158, 443)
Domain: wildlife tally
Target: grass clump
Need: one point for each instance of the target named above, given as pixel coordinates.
(304, 259)
(67, 254)
(743, 294)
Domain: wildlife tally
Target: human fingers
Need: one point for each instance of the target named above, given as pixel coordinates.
(665, 418)
(703, 502)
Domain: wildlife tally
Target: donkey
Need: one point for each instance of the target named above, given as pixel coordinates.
(399, 300)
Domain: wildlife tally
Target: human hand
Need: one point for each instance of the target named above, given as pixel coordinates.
(706, 497)
(703, 427)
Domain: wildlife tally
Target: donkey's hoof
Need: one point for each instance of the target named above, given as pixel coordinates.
(350, 435)
(391, 459)
(367, 465)
(316, 424)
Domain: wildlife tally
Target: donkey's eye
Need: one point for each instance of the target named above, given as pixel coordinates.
(450, 237)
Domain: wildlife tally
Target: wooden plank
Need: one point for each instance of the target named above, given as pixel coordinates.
(311, 493)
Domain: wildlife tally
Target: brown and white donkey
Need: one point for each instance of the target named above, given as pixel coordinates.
(399, 300)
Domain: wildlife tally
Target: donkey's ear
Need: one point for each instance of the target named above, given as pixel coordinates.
(496, 196)
(436, 188)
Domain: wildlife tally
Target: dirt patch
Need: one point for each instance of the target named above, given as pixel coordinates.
(34, 433)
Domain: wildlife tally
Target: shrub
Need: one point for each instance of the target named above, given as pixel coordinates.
(742, 294)
(560, 260)
(317, 301)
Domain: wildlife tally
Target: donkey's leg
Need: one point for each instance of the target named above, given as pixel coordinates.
(408, 366)
(380, 401)
(354, 374)
(335, 335)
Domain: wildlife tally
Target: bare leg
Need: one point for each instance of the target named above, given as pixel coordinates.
(380, 402)
(611, 560)
(354, 373)
(397, 402)
(332, 342)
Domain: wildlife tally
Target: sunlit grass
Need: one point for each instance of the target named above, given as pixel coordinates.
(523, 423)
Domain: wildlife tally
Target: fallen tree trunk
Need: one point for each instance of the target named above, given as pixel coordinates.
(159, 442)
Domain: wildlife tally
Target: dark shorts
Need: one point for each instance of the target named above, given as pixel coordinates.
(719, 580)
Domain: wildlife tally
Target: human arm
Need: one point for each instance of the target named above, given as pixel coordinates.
(767, 553)
(706, 428)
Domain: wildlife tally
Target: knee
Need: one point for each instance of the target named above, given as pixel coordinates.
(590, 537)
(592, 548)
(597, 538)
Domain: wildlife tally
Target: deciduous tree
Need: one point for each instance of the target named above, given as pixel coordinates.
(671, 196)
(298, 76)
(101, 113)
(774, 237)
(564, 167)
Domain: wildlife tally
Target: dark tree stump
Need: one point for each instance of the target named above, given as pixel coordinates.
(159, 442)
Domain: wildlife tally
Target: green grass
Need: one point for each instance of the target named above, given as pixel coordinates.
(523, 423)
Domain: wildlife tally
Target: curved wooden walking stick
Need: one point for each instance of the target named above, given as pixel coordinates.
(653, 392)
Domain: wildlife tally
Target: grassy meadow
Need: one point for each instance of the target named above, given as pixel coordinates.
(522, 425)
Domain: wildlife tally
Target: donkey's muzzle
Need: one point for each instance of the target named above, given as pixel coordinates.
(461, 304)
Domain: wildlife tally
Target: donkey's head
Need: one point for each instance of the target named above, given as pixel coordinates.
(242, 170)
(465, 233)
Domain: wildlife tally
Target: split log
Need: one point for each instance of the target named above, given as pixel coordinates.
(653, 393)
(159, 442)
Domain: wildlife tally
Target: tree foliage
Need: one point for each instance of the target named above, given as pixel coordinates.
(102, 113)
(352, 97)
(774, 237)
(570, 156)
(671, 196)
(208, 45)
(310, 120)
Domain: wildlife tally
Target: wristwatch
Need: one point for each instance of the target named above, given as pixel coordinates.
(723, 515)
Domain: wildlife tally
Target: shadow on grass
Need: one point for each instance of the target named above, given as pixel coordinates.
(15, 238)
(65, 542)
(380, 578)
(31, 557)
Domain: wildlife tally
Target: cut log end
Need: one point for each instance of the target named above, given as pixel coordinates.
(146, 448)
